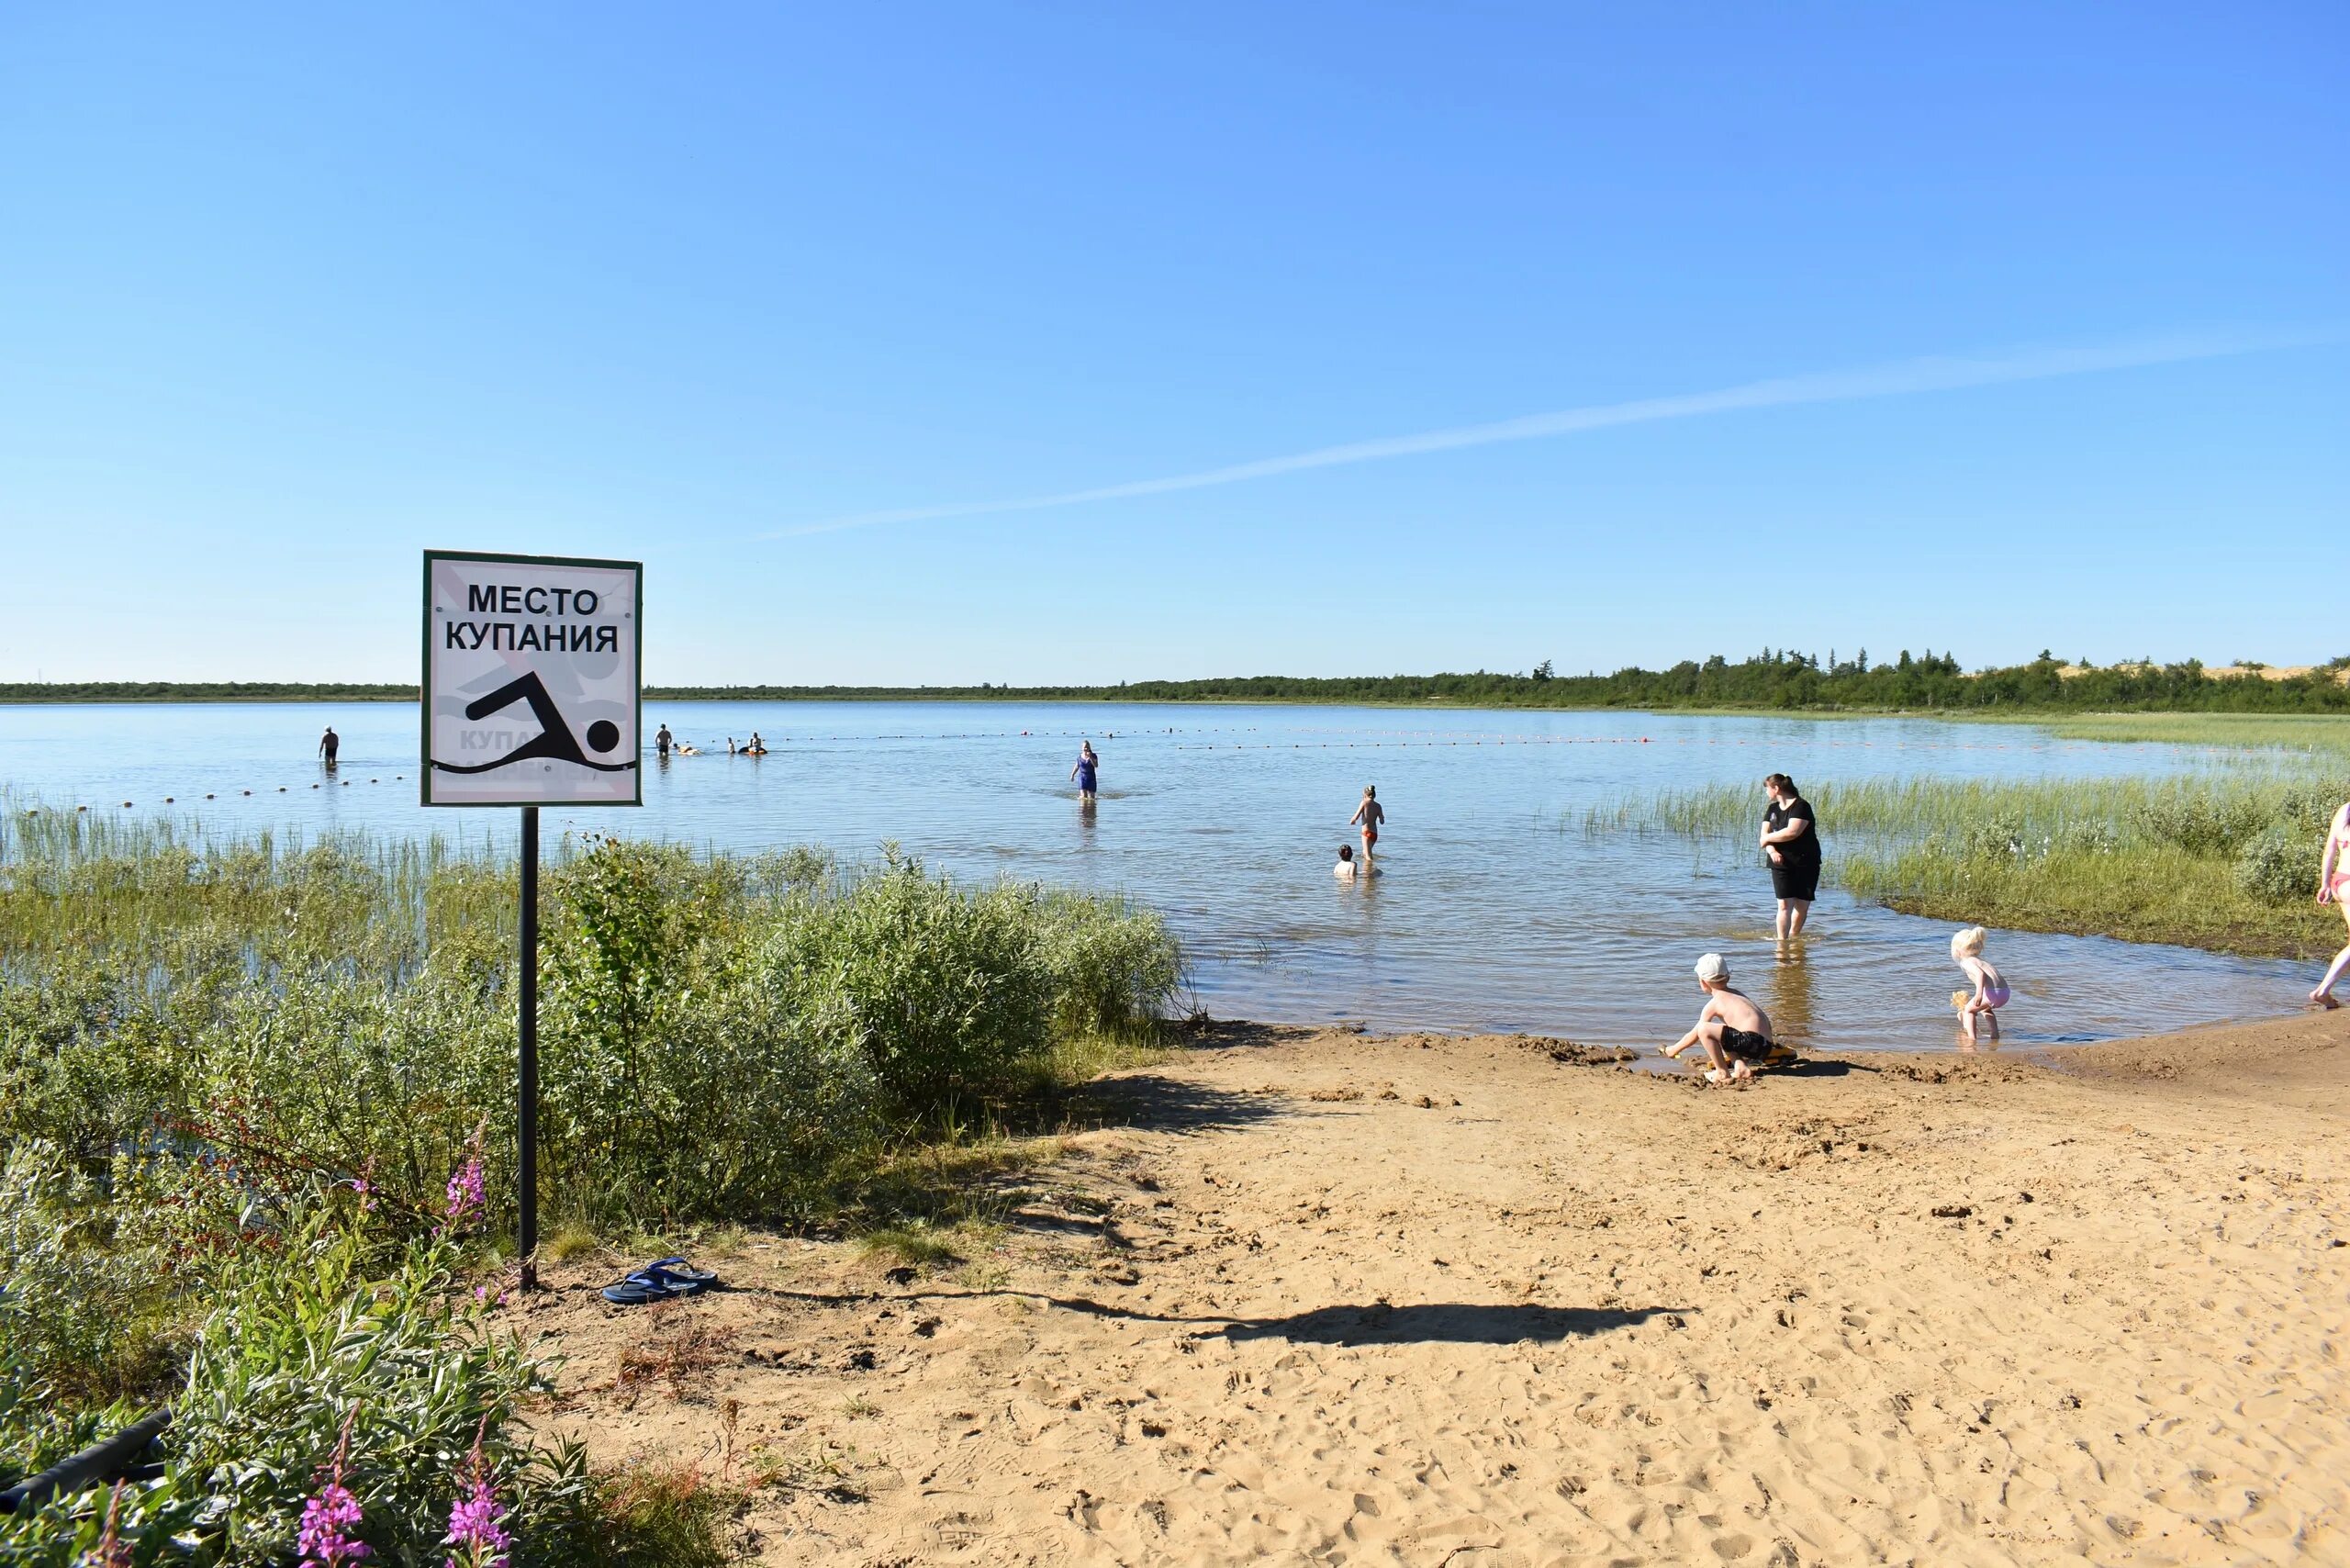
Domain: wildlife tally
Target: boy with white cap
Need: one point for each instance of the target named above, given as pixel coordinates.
(1735, 1033)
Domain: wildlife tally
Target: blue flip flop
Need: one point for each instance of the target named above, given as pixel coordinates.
(681, 1277)
(640, 1288)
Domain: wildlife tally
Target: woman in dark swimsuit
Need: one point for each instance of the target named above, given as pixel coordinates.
(1791, 838)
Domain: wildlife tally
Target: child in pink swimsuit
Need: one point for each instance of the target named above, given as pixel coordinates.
(2334, 888)
(1978, 1015)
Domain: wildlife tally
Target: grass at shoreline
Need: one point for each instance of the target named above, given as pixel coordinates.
(2295, 731)
(246, 1087)
(2224, 861)
(2151, 895)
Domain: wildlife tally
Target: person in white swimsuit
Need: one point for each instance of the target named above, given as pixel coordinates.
(1978, 1015)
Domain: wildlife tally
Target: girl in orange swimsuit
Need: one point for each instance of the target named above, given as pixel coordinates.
(1371, 814)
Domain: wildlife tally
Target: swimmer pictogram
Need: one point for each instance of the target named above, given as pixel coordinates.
(555, 741)
(532, 690)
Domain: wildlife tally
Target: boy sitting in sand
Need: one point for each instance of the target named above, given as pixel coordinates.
(1735, 1033)
(1979, 1016)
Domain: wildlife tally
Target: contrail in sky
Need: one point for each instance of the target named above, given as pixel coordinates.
(1940, 373)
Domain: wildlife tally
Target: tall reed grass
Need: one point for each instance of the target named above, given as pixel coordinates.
(2223, 857)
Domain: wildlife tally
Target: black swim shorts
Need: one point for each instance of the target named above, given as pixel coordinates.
(1794, 881)
(1747, 1044)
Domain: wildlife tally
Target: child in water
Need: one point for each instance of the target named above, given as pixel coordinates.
(1979, 1016)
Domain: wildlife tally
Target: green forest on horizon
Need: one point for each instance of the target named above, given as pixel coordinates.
(1776, 680)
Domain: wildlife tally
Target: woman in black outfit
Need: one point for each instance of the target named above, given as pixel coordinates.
(1791, 838)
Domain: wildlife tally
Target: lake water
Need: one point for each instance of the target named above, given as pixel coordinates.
(1496, 910)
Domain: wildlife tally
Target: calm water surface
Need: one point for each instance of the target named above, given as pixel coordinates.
(1496, 912)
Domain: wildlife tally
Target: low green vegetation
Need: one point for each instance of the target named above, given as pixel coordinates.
(2286, 732)
(258, 1100)
(2225, 859)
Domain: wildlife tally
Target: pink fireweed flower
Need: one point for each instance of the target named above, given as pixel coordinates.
(465, 1196)
(477, 1523)
(326, 1517)
(476, 1528)
(364, 1185)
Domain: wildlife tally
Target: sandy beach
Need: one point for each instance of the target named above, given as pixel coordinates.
(1308, 1296)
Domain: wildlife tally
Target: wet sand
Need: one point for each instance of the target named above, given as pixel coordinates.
(1323, 1298)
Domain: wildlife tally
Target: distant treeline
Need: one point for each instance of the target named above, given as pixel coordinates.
(1775, 678)
(200, 691)
(1772, 680)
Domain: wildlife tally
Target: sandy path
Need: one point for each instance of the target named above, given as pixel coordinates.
(1502, 1309)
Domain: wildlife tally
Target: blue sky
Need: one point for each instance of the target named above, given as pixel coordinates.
(290, 294)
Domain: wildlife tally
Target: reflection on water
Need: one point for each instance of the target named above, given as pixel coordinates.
(1790, 1003)
(1489, 914)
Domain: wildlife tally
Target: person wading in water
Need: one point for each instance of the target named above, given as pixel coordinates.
(1791, 839)
(1371, 814)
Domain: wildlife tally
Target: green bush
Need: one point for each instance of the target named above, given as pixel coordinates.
(676, 1082)
(2093, 837)
(82, 1319)
(1113, 968)
(2201, 822)
(88, 1061)
(941, 991)
(2310, 808)
(2279, 867)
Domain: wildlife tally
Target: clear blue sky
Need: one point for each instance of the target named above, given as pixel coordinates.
(289, 294)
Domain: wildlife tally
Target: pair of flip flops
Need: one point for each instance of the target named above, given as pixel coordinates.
(665, 1279)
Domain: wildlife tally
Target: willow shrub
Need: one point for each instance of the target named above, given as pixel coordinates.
(720, 1036)
(723, 1035)
(942, 992)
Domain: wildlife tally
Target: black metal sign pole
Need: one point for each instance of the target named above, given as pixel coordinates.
(527, 1241)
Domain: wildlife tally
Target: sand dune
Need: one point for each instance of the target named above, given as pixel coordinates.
(1330, 1299)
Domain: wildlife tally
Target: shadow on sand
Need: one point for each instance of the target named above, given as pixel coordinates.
(1820, 1067)
(1443, 1322)
(1171, 1104)
(1374, 1323)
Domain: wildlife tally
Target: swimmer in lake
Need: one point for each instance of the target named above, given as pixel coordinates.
(328, 743)
(1371, 814)
(1088, 771)
(662, 740)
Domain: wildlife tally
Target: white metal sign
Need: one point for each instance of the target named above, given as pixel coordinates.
(530, 681)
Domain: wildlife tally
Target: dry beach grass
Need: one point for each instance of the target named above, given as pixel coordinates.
(1312, 1297)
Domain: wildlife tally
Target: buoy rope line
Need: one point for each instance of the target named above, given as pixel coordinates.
(1441, 738)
